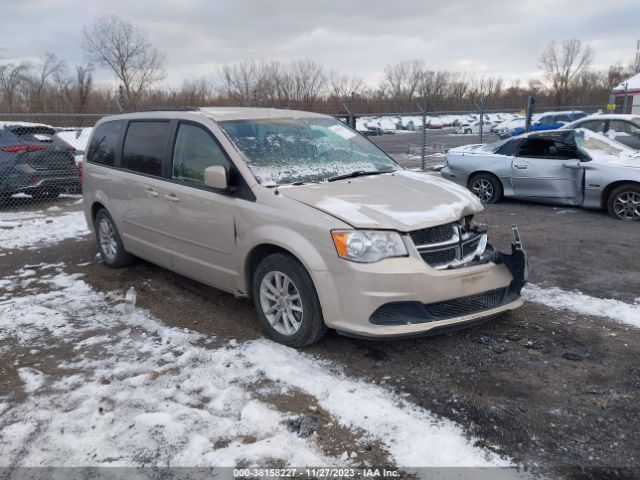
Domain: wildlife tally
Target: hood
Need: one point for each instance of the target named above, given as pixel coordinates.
(402, 201)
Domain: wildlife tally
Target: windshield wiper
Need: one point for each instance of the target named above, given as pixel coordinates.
(358, 173)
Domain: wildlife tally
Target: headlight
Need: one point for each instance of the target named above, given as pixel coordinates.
(368, 246)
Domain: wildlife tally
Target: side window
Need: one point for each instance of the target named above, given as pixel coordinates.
(562, 118)
(561, 150)
(508, 148)
(145, 146)
(547, 120)
(593, 125)
(104, 143)
(621, 126)
(533, 147)
(195, 149)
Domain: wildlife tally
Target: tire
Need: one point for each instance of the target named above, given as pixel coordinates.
(284, 323)
(468, 131)
(486, 187)
(624, 203)
(111, 249)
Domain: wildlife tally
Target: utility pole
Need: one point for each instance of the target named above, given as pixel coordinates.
(626, 96)
(120, 101)
(481, 110)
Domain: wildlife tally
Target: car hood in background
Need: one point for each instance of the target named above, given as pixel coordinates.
(473, 148)
(402, 201)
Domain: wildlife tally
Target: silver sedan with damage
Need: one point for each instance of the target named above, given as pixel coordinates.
(561, 167)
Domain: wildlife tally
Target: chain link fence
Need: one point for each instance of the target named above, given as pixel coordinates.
(41, 154)
(41, 157)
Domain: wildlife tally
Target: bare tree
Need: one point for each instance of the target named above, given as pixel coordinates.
(49, 68)
(401, 80)
(13, 80)
(125, 50)
(562, 63)
(340, 85)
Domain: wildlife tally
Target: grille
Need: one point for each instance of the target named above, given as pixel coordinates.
(438, 234)
(439, 257)
(466, 305)
(470, 247)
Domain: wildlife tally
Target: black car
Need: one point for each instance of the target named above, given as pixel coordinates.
(35, 161)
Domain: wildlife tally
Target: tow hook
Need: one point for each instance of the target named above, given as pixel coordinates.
(516, 262)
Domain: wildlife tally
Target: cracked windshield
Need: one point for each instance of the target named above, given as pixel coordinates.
(284, 151)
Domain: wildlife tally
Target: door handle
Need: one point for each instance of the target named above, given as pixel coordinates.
(520, 167)
(151, 192)
(172, 198)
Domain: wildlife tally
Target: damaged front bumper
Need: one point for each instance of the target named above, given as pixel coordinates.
(407, 313)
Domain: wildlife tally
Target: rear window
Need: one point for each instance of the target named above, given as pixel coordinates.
(145, 146)
(104, 143)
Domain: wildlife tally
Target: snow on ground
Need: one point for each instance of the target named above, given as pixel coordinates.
(38, 229)
(136, 391)
(582, 304)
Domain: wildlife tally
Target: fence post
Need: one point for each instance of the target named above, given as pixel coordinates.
(481, 118)
(423, 153)
(531, 103)
(120, 101)
(626, 95)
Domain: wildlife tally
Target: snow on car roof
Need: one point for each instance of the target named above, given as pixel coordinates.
(610, 116)
(10, 125)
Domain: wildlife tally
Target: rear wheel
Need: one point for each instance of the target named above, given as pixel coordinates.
(624, 203)
(287, 302)
(486, 187)
(109, 243)
(468, 131)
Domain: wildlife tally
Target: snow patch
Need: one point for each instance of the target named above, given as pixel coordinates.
(583, 304)
(30, 230)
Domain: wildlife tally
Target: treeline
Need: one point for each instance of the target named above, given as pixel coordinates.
(51, 86)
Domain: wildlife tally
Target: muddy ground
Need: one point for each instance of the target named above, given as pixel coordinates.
(557, 391)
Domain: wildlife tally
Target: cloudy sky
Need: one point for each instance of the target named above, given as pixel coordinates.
(358, 37)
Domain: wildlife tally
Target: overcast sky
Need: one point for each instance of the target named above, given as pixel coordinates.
(358, 37)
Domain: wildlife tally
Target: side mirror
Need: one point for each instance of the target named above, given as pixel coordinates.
(573, 164)
(216, 177)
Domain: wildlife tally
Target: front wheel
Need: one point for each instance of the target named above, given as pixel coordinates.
(110, 244)
(486, 187)
(287, 302)
(624, 203)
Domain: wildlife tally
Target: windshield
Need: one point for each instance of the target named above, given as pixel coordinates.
(281, 151)
(494, 146)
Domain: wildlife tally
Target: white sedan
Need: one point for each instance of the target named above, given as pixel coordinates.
(469, 128)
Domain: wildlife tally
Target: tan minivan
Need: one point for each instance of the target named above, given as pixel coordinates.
(300, 212)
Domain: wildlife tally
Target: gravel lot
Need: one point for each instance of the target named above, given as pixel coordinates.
(554, 387)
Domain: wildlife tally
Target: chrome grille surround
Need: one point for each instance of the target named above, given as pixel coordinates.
(450, 245)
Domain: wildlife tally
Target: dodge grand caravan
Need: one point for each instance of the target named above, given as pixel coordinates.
(301, 213)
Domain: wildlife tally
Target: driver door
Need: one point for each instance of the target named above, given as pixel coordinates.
(547, 170)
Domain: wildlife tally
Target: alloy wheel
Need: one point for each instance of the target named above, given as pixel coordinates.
(483, 189)
(627, 205)
(107, 237)
(281, 303)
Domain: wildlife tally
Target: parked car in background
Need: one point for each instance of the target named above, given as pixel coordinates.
(35, 161)
(551, 121)
(563, 167)
(506, 128)
(469, 128)
(300, 212)
(622, 128)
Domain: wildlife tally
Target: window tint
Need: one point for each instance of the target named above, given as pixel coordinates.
(104, 143)
(562, 118)
(145, 146)
(548, 120)
(195, 150)
(593, 125)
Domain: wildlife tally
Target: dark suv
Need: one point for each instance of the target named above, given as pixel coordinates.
(35, 161)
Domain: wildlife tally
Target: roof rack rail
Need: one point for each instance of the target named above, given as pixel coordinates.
(165, 109)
